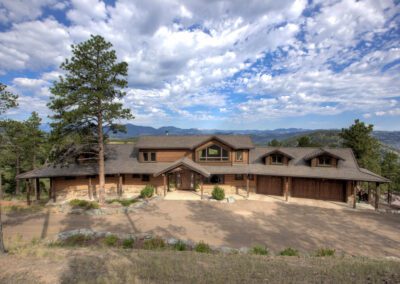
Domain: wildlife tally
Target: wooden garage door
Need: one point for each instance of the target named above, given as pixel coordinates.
(318, 189)
(269, 185)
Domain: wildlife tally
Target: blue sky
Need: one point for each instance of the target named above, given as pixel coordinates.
(219, 64)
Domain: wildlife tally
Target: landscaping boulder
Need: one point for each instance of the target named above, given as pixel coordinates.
(230, 199)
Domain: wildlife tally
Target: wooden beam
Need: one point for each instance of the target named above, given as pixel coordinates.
(354, 184)
(90, 188)
(247, 185)
(165, 184)
(53, 191)
(377, 194)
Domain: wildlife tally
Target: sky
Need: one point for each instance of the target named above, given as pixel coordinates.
(212, 64)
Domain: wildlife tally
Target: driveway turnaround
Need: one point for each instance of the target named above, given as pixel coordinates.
(241, 224)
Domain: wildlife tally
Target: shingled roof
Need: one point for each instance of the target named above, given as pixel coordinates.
(191, 142)
(122, 159)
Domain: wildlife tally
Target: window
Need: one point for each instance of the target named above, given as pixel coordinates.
(239, 156)
(325, 161)
(214, 153)
(238, 177)
(69, 178)
(251, 177)
(110, 175)
(149, 156)
(135, 176)
(145, 178)
(276, 159)
(215, 179)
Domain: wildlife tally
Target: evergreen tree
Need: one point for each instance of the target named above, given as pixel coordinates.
(84, 102)
(390, 167)
(274, 143)
(366, 148)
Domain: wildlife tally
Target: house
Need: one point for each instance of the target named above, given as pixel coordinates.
(200, 162)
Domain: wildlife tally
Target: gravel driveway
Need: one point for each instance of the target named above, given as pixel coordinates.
(243, 223)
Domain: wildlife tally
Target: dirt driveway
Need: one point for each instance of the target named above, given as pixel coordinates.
(243, 223)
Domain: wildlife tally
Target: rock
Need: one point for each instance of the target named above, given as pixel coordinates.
(230, 199)
(227, 250)
(213, 200)
(76, 211)
(65, 235)
(171, 241)
(145, 236)
(126, 236)
(244, 250)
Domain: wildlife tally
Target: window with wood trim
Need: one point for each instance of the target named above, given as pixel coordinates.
(214, 179)
(239, 177)
(250, 177)
(325, 161)
(214, 153)
(70, 178)
(239, 156)
(149, 156)
(135, 176)
(276, 159)
(145, 177)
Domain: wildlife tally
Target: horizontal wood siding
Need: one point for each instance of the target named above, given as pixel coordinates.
(334, 190)
(270, 185)
(168, 155)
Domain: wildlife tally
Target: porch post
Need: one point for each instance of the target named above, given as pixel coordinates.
(201, 186)
(354, 183)
(90, 188)
(247, 185)
(286, 189)
(53, 190)
(37, 186)
(119, 185)
(377, 193)
(28, 191)
(165, 184)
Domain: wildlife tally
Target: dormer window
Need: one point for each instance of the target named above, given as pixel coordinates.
(276, 159)
(149, 156)
(214, 153)
(239, 156)
(324, 161)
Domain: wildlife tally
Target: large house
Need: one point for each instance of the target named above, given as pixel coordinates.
(200, 162)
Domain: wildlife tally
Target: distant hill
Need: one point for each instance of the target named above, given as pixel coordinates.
(288, 136)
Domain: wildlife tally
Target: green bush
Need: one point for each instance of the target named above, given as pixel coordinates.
(147, 191)
(156, 243)
(218, 193)
(325, 252)
(180, 246)
(123, 202)
(77, 240)
(202, 247)
(260, 250)
(84, 204)
(289, 252)
(111, 240)
(128, 243)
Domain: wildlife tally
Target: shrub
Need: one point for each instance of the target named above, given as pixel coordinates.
(202, 247)
(84, 204)
(147, 191)
(77, 240)
(156, 243)
(123, 202)
(180, 246)
(260, 250)
(289, 252)
(111, 240)
(218, 193)
(325, 252)
(128, 243)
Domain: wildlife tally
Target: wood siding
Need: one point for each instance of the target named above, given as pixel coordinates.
(167, 155)
(270, 185)
(334, 190)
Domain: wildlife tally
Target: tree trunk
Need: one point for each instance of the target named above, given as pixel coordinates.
(17, 171)
(2, 248)
(101, 158)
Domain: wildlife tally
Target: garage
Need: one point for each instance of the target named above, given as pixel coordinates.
(269, 185)
(334, 190)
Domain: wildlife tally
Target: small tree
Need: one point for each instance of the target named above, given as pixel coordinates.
(304, 141)
(85, 101)
(274, 143)
(7, 100)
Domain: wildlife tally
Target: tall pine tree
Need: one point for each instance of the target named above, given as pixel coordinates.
(85, 100)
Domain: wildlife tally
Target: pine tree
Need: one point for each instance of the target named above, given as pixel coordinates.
(85, 100)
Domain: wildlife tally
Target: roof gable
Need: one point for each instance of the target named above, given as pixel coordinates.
(321, 152)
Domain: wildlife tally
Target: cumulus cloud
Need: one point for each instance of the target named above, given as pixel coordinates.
(212, 60)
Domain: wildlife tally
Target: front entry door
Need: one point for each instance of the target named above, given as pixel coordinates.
(186, 180)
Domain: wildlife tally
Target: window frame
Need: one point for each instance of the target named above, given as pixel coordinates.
(241, 152)
(239, 176)
(145, 177)
(148, 156)
(213, 158)
(324, 159)
(276, 162)
(221, 179)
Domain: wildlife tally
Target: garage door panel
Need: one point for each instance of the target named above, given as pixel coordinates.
(269, 185)
(318, 189)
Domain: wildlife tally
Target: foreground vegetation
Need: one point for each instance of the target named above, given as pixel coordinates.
(119, 265)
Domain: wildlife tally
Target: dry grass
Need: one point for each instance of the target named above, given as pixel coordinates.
(31, 264)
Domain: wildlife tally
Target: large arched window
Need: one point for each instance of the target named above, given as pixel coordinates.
(214, 153)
